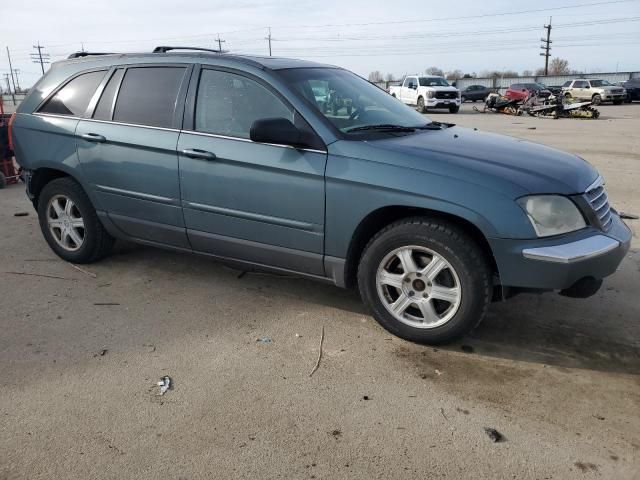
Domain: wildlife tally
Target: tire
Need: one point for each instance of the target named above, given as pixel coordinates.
(454, 108)
(421, 106)
(596, 99)
(393, 95)
(618, 102)
(463, 99)
(3, 181)
(63, 204)
(464, 267)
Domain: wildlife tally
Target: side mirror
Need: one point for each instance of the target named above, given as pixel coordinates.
(587, 86)
(277, 130)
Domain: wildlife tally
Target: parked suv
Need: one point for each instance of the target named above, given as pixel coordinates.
(595, 90)
(235, 157)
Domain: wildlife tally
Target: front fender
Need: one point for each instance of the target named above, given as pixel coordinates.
(355, 188)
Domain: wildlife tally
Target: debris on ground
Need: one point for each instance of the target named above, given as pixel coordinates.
(336, 433)
(106, 303)
(438, 372)
(467, 348)
(264, 340)
(599, 417)
(493, 434)
(366, 397)
(41, 275)
(242, 274)
(628, 216)
(21, 214)
(442, 412)
(319, 352)
(86, 272)
(531, 128)
(164, 384)
(101, 353)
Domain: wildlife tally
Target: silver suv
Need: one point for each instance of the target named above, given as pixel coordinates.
(595, 90)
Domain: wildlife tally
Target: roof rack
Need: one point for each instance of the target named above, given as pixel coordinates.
(86, 54)
(165, 49)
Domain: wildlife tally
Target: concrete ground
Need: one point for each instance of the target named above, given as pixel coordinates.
(558, 377)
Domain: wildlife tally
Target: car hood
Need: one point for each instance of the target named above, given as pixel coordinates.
(489, 159)
(442, 89)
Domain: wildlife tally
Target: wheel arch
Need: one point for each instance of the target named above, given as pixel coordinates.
(43, 175)
(381, 217)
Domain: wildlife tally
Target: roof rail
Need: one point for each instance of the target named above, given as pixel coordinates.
(86, 54)
(165, 49)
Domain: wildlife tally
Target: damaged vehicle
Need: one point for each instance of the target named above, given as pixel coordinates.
(238, 158)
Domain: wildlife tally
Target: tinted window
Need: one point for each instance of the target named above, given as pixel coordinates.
(566, 84)
(517, 86)
(74, 97)
(228, 104)
(103, 110)
(580, 84)
(148, 96)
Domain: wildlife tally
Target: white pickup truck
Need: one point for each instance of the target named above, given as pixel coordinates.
(427, 92)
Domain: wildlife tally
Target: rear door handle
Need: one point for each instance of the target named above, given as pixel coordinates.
(94, 137)
(197, 153)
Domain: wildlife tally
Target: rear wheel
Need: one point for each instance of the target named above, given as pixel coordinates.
(618, 102)
(421, 106)
(3, 181)
(70, 224)
(425, 281)
(454, 108)
(463, 99)
(596, 99)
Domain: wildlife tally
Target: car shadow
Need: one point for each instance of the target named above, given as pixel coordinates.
(599, 333)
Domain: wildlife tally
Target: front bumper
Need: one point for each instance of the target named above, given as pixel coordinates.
(558, 263)
(442, 102)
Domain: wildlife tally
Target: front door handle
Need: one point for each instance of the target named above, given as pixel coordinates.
(197, 153)
(94, 137)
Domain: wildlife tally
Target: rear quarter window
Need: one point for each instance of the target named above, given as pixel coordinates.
(74, 97)
(148, 96)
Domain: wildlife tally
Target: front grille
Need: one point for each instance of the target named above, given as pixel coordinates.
(616, 91)
(597, 198)
(446, 94)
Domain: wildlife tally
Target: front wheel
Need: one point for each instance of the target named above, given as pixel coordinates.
(596, 99)
(618, 102)
(454, 108)
(70, 224)
(425, 281)
(421, 106)
(463, 99)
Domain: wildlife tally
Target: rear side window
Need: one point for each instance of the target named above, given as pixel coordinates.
(566, 84)
(105, 104)
(74, 97)
(228, 104)
(148, 96)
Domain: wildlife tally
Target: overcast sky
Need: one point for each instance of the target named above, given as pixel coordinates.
(361, 35)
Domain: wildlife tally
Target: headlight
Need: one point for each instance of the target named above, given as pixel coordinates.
(552, 214)
(431, 94)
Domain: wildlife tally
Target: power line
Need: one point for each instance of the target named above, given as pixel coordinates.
(546, 47)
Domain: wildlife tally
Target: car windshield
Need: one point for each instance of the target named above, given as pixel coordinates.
(433, 82)
(349, 102)
(600, 83)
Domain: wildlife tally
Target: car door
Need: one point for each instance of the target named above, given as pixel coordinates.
(254, 202)
(580, 89)
(411, 91)
(127, 150)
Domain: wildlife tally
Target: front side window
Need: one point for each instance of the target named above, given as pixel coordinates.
(351, 102)
(74, 97)
(600, 83)
(566, 84)
(148, 96)
(228, 104)
(580, 84)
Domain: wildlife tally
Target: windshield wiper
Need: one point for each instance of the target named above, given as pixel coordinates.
(388, 127)
(435, 126)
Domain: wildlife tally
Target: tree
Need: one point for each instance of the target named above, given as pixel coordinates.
(376, 76)
(559, 66)
(454, 75)
(499, 74)
(389, 77)
(527, 73)
(469, 75)
(434, 71)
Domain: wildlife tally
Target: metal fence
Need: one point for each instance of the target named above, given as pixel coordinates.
(502, 83)
(10, 101)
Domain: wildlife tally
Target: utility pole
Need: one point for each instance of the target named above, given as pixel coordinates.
(16, 71)
(11, 70)
(269, 39)
(40, 57)
(220, 42)
(13, 96)
(546, 46)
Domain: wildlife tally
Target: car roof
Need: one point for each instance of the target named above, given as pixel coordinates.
(264, 62)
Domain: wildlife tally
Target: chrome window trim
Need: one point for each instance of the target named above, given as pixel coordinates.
(191, 132)
(572, 252)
